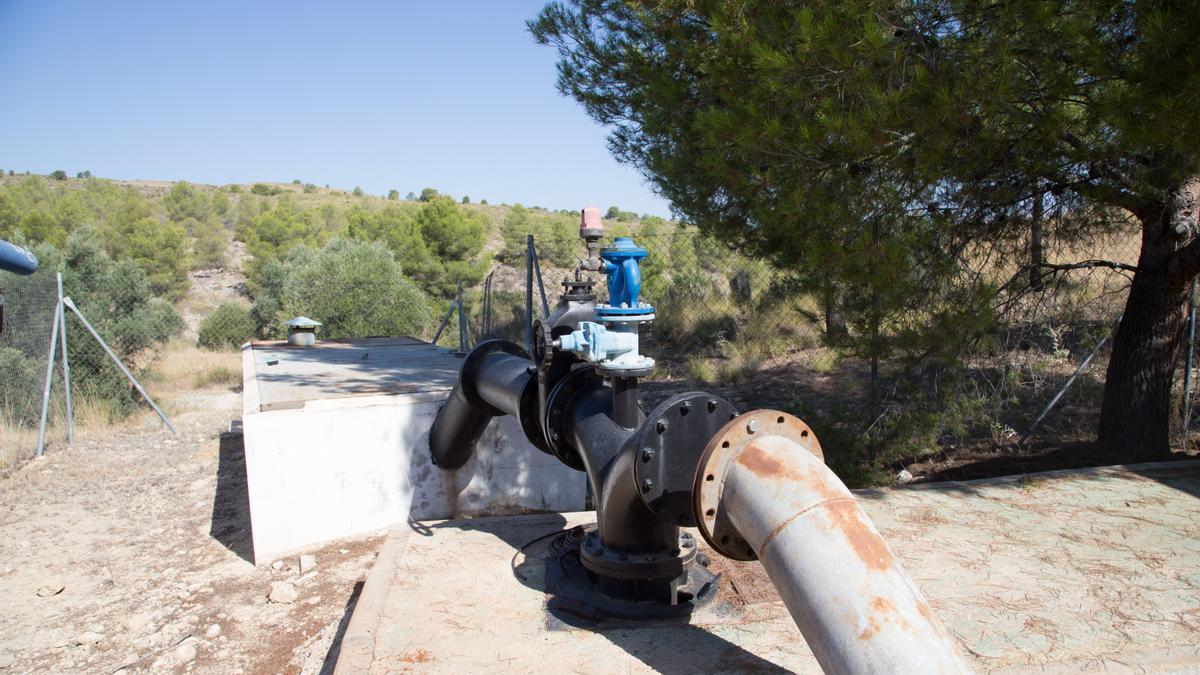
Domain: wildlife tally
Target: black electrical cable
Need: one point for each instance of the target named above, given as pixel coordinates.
(531, 542)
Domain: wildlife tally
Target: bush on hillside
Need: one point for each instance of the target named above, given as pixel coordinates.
(354, 288)
(229, 326)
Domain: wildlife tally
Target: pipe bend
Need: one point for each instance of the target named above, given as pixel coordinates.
(761, 487)
(494, 380)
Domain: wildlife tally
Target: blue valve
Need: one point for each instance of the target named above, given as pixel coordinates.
(624, 279)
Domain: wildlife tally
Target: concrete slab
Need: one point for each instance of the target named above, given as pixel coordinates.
(337, 444)
(1094, 569)
(288, 377)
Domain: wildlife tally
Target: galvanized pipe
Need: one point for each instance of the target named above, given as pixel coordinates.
(856, 607)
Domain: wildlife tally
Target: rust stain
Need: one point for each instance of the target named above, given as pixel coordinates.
(762, 464)
(869, 546)
(926, 612)
(882, 610)
(416, 656)
(843, 509)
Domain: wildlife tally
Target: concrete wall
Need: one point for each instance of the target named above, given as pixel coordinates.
(340, 467)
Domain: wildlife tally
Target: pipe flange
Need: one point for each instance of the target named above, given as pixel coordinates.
(556, 412)
(709, 480)
(622, 565)
(669, 444)
(469, 371)
(608, 371)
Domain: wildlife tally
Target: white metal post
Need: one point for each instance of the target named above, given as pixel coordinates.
(41, 446)
(115, 359)
(66, 363)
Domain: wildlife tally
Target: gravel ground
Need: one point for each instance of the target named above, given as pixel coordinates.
(129, 552)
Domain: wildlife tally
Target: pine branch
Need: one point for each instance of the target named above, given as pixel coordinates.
(1085, 264)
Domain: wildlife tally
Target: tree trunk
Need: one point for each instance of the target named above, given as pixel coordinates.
(1037, 249)
(835, 320)
(1135, 418)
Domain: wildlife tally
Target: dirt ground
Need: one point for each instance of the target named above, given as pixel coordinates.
(128, 552)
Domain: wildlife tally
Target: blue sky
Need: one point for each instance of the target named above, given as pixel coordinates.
(404, 95)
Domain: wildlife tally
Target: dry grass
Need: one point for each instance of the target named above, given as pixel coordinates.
(183, 367)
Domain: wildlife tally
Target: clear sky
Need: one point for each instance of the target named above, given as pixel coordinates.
(403, 95)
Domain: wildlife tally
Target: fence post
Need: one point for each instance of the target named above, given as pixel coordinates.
(462, 323)
(115, 359)
(66, 363)
(445, 320)
(1066, 385)
(41, 446)
(1187, 372)
(529, 293)
(486, 331)
(537, 271)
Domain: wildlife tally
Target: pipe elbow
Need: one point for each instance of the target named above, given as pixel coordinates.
(455, 431)
(495, 379)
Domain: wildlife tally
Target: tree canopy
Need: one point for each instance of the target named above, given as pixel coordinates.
(879, 147)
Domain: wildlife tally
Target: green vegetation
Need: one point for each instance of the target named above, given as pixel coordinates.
(354, 288)
(117, 297)
(228, 326)
(557, 236)
(829, 138)
(264, 190)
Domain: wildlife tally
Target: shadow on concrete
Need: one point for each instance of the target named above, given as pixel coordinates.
(658, 643)
(335, 648)
(681, 649)
(231, 503)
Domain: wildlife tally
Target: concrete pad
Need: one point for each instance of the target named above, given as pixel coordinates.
(1095, 569)
(337, 444)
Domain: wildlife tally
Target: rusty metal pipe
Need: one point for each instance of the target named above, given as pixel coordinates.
(768, 495)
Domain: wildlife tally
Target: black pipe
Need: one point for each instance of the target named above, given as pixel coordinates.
(623, 521)
(456, 430)
(502, 381)
(625, 394)
(496, 378)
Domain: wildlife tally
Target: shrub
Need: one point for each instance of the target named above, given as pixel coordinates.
(428, 194)
(19, 383)
(264, 190)
(227, 327)
(184, 201)
(59, 175)
(358, 192)
(209, 247)
(309, 188)
(354, 288)
(394, 195)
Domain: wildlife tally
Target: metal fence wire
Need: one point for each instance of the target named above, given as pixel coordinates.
(758, 335)
(29, 321)
(727, 322)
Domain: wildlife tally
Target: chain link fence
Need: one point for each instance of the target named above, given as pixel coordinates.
(29, 321)
(762, 337)
(766, 337)
(133, 323)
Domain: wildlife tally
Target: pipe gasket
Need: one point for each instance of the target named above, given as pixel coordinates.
(709, 479)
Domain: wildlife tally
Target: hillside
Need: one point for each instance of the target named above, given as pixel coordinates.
(306, 196)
